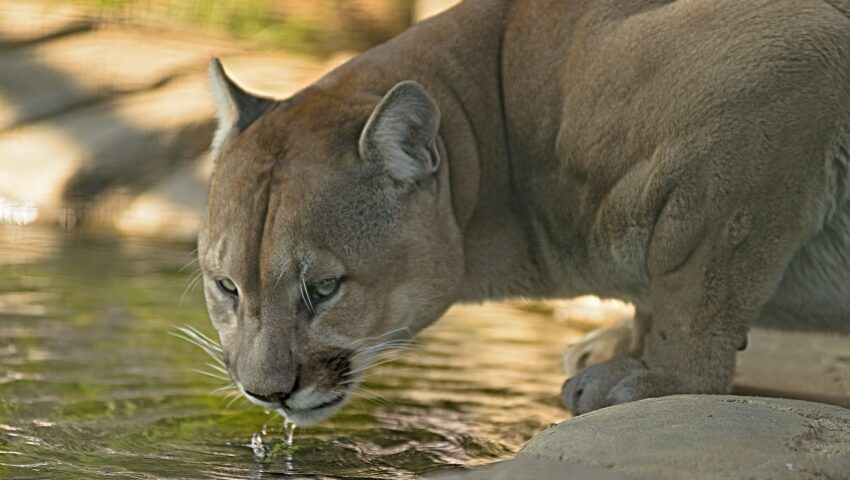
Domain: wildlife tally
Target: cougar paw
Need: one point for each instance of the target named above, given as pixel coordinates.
(645, 384)
(598, 346)
(590, 389)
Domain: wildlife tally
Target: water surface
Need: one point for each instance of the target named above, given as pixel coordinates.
(93, 386)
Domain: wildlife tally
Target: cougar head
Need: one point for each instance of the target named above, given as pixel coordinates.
(329, 235)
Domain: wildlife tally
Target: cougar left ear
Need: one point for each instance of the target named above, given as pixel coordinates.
(402, 133)
(236, 109)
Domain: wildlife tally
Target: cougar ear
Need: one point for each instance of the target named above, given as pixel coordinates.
(402, 133)
(236, 109)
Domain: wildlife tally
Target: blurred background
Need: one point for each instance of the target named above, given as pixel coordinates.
(105, 120)
(104, 112)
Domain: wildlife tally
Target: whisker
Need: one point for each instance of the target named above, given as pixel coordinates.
(386, 353)
(388, 343)
(190, 262)
(214, 354)
(205, 343)
(381, 354)
(377, 349)
(202, 336)
(305, 295)
(369, 366)
(192, 281)
(359, 395)
(399, 342)
(196, 336)
(367, 339)
(360, 405)
(279, 277)
(210, 374)
(227, 388)
(232, 395)
(231, 402)
(373, 364)
(218, 368)
(373, 396)
(368, 357)
(383, 372)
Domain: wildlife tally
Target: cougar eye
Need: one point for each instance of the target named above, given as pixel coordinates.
(323, 289)
(227, 286)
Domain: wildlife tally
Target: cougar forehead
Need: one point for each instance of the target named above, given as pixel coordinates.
(307, 200)
(287, 150)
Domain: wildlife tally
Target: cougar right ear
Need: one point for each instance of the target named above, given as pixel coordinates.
(402, 132)
(236, 109)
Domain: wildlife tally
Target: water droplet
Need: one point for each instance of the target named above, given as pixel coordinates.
(290, 432)
(260, 449)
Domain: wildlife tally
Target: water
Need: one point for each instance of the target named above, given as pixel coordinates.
(93, 386)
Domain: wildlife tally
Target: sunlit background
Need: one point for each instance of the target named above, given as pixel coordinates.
(104, 124)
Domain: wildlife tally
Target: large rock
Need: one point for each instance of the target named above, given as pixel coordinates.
(531, 468)
(23, 22)
(52, 77)
(171, 209)
(704, 437)
(426, 8)
(128, 162)
(793, 363)
(129, 143)
(106, 125)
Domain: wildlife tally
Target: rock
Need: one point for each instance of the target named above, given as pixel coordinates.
(427, 8)
(276, 76)
(53, 77)
(22, 22)
(130, 143)
(107, 125)
(171, 209)
(813, 365)
(530, 468)
(96, 159)
(705, 437)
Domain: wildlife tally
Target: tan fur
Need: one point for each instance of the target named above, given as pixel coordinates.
(599, 346)
(688, 156)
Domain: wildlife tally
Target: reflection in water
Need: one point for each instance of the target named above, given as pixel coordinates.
(92, 385)
(17, 213)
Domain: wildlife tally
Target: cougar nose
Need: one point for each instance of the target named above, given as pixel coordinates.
(274, 397)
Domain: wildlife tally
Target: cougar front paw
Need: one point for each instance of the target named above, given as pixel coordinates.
(638, 385)
(598, 346)
(589, 390)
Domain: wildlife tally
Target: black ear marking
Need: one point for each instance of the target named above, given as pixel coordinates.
(236, 108)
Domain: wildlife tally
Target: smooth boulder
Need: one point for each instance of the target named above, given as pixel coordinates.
(705, 437)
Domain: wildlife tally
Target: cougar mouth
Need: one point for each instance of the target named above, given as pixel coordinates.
(329, 403)
(314, 413)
